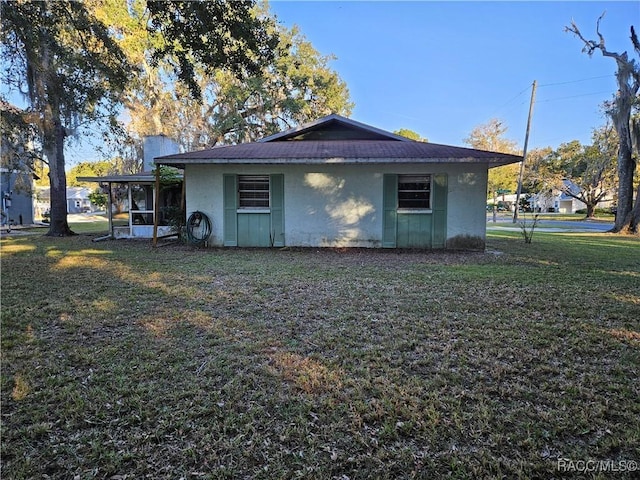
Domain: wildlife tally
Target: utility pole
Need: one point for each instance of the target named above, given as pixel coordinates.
(524, 152)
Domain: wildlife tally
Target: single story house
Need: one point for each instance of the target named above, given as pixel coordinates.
(78, 200)
(336, 182)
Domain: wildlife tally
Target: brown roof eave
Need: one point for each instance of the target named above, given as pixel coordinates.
(501, 162)
(182, 162)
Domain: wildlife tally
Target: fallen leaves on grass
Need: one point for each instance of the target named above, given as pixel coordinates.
(120, 361)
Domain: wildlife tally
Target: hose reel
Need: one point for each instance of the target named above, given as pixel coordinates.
(198, 228)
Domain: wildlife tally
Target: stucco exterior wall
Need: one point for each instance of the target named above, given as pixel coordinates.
(467, 201)
(340, 205)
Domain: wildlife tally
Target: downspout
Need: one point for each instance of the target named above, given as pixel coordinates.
(110, 213)
(183, 193)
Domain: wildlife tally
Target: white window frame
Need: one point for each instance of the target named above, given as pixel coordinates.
(252, 196)
(426, 178)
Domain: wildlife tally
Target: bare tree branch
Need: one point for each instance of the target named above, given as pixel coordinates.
(589, 45)
(634, 40)
(601, 45)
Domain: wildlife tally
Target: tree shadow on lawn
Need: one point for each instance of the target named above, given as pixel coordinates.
(132, 362)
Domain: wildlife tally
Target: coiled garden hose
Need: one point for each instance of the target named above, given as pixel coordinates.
(198, 228)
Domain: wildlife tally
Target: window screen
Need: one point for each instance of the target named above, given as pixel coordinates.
(414, 191)
(253, 191)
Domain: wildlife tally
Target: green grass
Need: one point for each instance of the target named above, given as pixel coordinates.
(120, 361)
(602, 217)
(565, 217)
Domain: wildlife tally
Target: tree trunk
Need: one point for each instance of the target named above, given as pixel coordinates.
(591, 210)
(53, 135)
(631, 222)
(43, 93)
(626, 168)
(53, 147)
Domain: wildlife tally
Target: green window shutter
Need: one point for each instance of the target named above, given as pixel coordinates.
(389, 207)
(230, 200)
(439, 226)
(277, 210)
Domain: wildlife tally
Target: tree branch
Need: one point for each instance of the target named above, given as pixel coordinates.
(634, 40)
(591, 46)
(601, 45)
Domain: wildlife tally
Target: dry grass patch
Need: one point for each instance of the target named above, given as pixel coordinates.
(120, 361)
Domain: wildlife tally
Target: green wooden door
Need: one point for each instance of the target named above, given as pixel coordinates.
(414, 230)
(253, 229)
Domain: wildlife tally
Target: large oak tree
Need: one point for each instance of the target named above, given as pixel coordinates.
(297, 85)
(72, 71)
(628, 79)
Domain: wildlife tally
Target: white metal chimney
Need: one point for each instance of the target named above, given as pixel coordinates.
(157, 146)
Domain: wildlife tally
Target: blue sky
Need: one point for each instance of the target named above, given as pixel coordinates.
(443, 68)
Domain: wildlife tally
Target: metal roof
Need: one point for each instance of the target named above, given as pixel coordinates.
(336, 139)
(337, 151)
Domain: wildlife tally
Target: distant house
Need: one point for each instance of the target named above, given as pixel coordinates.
(568, 204)
(559, 201)
(16, 197)
(336, 182)
(78, 200)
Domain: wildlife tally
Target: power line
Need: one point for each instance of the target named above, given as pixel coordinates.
(572, 96)
(575, 81)
(498, 109)
(508, 102)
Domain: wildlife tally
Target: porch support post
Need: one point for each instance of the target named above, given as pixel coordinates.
(183, 195)
(110, 211)
(156, 207)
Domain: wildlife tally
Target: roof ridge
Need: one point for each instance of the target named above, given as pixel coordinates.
(334, 117)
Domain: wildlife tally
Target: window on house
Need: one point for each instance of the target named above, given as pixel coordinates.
(414, 191)
(253, 191)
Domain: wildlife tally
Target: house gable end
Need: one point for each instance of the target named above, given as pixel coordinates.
(334, 127)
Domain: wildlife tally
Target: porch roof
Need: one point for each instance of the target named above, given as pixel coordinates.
(142, 177)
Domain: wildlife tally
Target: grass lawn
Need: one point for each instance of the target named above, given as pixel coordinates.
(599, 217)
(564, 217)
(124, 362)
